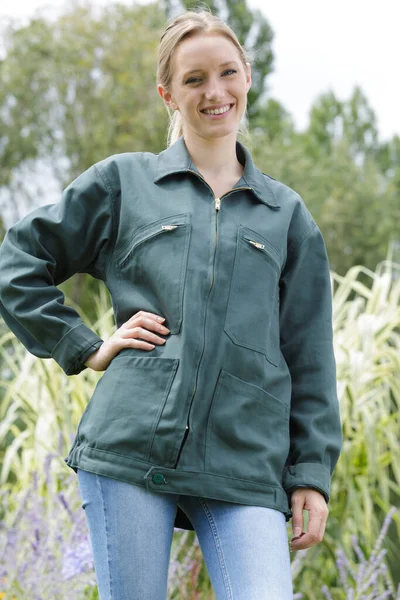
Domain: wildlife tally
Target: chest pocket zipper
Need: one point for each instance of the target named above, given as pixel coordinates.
(256, 244)
(163, 229)
(152, 270)
(169, 227)
(267, 253)
(255, 282)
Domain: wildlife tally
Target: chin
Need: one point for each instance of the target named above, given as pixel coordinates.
(220, 132)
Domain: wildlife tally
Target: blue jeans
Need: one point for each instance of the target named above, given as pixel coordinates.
(245, 548)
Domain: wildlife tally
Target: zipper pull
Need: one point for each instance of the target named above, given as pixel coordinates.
(217, 203)
(168, 227)
(257, 244)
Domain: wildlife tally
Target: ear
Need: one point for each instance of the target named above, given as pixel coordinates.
(167, 97)
(248, 75)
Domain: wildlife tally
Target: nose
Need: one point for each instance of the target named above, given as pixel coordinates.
(214, 89)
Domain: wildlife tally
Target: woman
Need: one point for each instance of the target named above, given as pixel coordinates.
(217, 410)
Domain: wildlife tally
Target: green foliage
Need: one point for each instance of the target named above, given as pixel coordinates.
(82, 87)
(332, 120)
(367, 478)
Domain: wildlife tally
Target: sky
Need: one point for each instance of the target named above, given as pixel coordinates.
(319, 45)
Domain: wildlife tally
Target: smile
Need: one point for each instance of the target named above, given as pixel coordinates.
(217, 111)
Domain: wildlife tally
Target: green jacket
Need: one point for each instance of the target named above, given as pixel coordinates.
(240, 403)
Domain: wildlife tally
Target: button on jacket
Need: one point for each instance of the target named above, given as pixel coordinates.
(240, 403)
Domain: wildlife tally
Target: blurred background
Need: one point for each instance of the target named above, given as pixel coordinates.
(77, 84)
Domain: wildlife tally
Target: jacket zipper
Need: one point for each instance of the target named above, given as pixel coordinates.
(261, 246)
(217, 208)
(256, 244)
(163, 229)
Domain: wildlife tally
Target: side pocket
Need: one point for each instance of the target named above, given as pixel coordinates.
(127, 403)
(247, 432)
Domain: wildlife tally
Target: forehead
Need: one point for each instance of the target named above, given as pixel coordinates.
(201, 50)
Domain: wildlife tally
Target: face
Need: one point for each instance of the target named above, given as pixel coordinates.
(209, 86)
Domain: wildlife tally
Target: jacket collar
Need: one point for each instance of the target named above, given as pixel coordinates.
(176, 159)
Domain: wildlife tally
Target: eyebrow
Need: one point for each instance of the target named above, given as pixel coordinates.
(229, 62)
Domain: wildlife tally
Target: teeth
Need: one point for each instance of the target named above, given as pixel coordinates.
(217, 111)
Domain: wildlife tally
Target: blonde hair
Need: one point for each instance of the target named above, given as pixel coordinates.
(188, 24)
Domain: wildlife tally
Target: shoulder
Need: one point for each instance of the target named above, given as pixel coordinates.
(127, 158)
(118, 163)
(113, 169)
(301, 221)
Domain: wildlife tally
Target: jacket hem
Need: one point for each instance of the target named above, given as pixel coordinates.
(174, 481)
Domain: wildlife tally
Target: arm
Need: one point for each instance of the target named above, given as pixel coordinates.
(307, 346)
(44, 249)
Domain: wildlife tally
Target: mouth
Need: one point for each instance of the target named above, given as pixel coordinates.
(217, 112)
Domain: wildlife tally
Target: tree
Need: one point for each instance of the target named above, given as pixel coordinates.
(80, 88)
(332, 120)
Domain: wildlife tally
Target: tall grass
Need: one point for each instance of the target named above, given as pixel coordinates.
(366, 481)
(367, 347)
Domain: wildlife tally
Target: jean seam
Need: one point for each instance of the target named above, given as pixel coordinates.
(218, 548)
(106, 531)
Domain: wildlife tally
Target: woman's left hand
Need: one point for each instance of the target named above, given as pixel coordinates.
(313, 501)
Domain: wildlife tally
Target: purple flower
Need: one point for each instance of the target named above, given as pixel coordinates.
(77, 560)
(368, 578)
(45, 551)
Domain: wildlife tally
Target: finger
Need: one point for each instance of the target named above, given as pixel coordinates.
(323, 524)
(138, 344)
(297, 518)
(145, 334)
(135, 343)
(147, 315)
(313, 535)
(146, 323)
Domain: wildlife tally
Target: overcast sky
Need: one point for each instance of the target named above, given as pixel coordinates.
(320, 45)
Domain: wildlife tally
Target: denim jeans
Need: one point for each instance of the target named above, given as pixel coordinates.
(245, 548)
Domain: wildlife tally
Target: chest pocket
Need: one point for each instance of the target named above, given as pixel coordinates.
(252, 317)
(152, 269)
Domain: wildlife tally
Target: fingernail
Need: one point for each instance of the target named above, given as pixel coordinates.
(160, 319)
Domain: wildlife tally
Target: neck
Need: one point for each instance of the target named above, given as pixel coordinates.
(216, 156)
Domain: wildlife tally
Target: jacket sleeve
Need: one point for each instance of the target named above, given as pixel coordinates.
(307, 346)
(42, 250)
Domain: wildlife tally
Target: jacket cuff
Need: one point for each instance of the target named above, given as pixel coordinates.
(309, 475)
(75, 347)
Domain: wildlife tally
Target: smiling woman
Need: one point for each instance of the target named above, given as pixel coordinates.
(204, 82)
(200, 54)
(217, 410)
(209, 97)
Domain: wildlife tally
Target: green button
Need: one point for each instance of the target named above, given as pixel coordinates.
(158, 478)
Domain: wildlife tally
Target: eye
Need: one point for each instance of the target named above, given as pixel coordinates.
(192, 80)
(229, 72)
